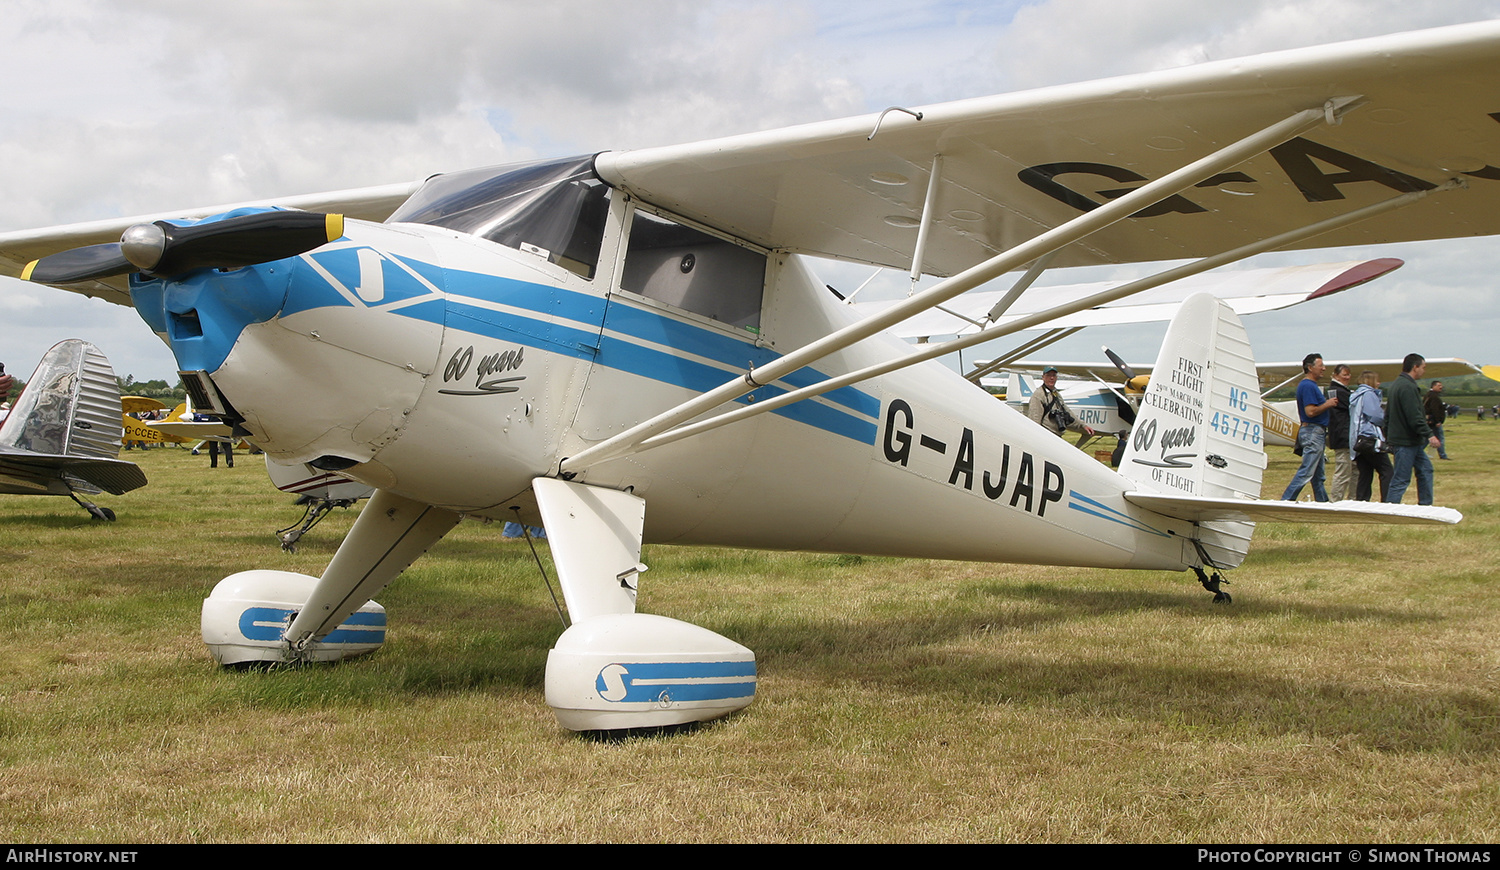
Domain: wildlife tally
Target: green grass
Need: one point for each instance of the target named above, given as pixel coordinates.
(1348, 695)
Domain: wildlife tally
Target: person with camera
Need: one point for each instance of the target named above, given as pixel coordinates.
(1048, 409)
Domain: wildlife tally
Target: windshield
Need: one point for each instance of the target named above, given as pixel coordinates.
(554, 208)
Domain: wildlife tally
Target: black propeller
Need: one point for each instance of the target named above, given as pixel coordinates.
(163, 249)
(78, 264)
(1120, 364)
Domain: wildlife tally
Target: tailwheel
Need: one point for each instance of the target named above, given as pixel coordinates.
(94, 510)
(1212, 585)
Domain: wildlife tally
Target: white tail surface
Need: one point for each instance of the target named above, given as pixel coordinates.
(70, 407)
(1199, 431)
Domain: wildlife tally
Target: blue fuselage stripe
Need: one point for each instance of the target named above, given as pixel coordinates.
(623, 355)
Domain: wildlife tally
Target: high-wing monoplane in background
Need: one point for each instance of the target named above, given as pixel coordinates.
(180, 426)
(1092, 391)
(63, 435)
(626, 346)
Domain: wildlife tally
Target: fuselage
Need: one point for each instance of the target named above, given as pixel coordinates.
(511, 318)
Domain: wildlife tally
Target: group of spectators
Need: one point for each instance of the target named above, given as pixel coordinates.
(1389, 443)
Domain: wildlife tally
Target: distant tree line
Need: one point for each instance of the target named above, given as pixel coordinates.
(1468, 385)
(157, 389)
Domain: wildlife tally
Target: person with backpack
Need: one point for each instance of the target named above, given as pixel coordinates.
(1367, 437)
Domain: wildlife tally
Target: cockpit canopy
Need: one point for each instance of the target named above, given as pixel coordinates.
(552, 208)
(557, 209)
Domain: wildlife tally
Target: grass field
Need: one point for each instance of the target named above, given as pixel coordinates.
(1350, 694)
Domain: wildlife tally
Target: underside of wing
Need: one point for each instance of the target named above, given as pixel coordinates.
(1247, 291)
(21, 247)
(200, 431)
(1425, 111)
(115, 476)
(1273, 374)
(1197, 509)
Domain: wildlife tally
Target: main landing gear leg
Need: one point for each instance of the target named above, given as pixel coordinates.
(616, 669)
(281, 617)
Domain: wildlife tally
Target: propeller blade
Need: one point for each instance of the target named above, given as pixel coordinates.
(1120, 364)
(79, 264)
(164, 249)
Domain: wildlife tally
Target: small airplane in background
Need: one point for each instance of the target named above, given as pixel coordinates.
(136, 430)
(627, 346)
(62, 437)
(182, 426)
(1090, 390)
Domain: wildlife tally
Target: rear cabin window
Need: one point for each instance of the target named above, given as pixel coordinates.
(682, 267)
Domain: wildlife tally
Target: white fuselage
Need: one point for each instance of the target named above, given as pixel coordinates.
(454, 371)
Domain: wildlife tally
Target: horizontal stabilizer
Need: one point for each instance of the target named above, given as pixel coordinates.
(1201, 509)
(114, 476)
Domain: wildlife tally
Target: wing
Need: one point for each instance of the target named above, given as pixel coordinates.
(1016, 165)
(194, 431)
(140, 404)
(21, 247)
(1247, 291)
(1272, 374)
(27, 473)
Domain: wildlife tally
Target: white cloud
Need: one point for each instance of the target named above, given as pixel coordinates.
(121, 108)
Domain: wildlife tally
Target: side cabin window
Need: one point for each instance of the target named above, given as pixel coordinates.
(685, 268)
(554, 209)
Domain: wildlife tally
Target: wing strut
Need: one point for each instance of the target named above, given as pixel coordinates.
(1079, 227)
(1051, 336)
(933, 179)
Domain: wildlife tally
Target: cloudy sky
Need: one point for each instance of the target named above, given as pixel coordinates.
(122, 107)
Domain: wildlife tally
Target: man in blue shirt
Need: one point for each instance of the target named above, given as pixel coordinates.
(1313, 408)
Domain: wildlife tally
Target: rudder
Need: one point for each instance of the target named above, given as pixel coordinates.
(1199, 431)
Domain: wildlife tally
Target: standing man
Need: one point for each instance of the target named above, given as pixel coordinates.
(1436, 410)
(1048, 408)
(1313, 409)
(1338, 433)
(1409, 434)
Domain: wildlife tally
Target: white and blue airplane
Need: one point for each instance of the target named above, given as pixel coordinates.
(628, 346)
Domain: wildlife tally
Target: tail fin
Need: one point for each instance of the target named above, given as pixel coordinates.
(71, 405)
(70, 411)
(1199, 431)
(1019, 389)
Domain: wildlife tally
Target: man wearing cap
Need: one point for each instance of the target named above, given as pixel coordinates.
(1048, 409)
